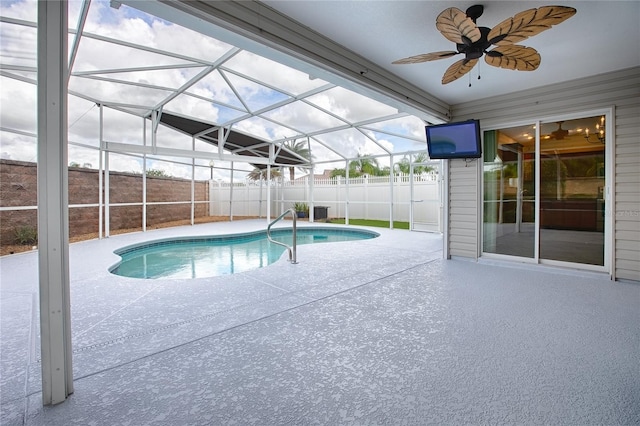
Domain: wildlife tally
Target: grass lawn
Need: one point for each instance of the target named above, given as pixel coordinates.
(376, 223)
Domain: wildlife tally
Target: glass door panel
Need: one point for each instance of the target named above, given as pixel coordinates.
(572, 182)
(509, 191)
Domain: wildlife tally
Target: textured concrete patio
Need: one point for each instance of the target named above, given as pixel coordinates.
(376, 332)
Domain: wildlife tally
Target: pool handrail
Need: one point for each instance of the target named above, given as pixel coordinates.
(291, 250)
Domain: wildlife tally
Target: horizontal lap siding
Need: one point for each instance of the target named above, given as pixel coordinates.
(573, 96)
(619, 89)
(463, 207)
(627, 189)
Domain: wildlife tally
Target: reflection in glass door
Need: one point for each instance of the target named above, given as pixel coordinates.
(570, 209)
(572, 182)
(509, 192)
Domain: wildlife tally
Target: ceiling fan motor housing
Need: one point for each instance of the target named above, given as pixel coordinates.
(475, 11)
(475, 50)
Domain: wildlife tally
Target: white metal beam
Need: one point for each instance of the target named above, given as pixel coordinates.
(174, 152)
(100, 173)
(141, 47)
(193, 183)
(231, 185)
(134, 69)
(271, 157)
(53, 203)
(76, 39)
(223, 134)
(195, 79)
(254, 26)
(107, 199)
(144, 177)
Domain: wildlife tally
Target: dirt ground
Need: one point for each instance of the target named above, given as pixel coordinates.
(12, 249)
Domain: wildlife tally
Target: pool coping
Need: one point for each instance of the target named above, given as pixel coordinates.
(231, 239)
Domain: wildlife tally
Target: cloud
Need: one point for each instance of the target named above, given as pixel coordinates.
(351, 106)
(25, 10)
(301, 116)
(18, 100)
(273, 74)
(246, 79)
(18, 147)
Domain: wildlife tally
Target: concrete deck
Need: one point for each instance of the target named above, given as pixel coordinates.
(377, 332)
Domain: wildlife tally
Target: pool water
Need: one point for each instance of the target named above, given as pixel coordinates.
(200, 257)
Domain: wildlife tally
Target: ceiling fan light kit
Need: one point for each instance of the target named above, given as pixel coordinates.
(600, 133)
(473, 41)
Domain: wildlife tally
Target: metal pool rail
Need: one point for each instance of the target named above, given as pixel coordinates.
(291, 250)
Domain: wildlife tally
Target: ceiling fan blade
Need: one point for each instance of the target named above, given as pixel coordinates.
(514, 57)
(528, 23)
(425, 57)
(457, 27)
(458, 69)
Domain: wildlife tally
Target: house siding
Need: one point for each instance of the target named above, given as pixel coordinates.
(619, 90)
(463, 208)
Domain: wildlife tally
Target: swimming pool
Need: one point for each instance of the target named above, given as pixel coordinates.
(208, 256)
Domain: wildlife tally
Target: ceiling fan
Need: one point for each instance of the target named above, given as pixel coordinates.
(559, 133)
(473, 41)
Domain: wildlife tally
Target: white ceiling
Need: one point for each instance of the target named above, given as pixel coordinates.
(602, 36)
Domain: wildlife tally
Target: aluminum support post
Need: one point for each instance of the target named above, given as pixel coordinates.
(53, 203)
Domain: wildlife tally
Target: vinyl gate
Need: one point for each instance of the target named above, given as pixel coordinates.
(426, 208)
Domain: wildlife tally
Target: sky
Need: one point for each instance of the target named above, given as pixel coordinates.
(227, 86)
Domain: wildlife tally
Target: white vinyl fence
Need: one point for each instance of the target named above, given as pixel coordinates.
(358, 198)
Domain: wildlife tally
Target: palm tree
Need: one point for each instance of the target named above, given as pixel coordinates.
(404, 165)
(338, 172)
(299, 148)
(364, 165)
(261, 174)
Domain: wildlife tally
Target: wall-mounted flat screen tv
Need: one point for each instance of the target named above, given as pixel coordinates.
(454, 140)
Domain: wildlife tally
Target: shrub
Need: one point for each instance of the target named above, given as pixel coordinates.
(26, 235)
(301, 207)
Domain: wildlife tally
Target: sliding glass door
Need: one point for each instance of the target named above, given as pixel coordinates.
(572, 183)
(509, 192)
(545, 200)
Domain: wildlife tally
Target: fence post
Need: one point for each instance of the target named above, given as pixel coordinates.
(366, 196)
(391, 178)
(231, 195)
(346, 198)
(338, 204)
